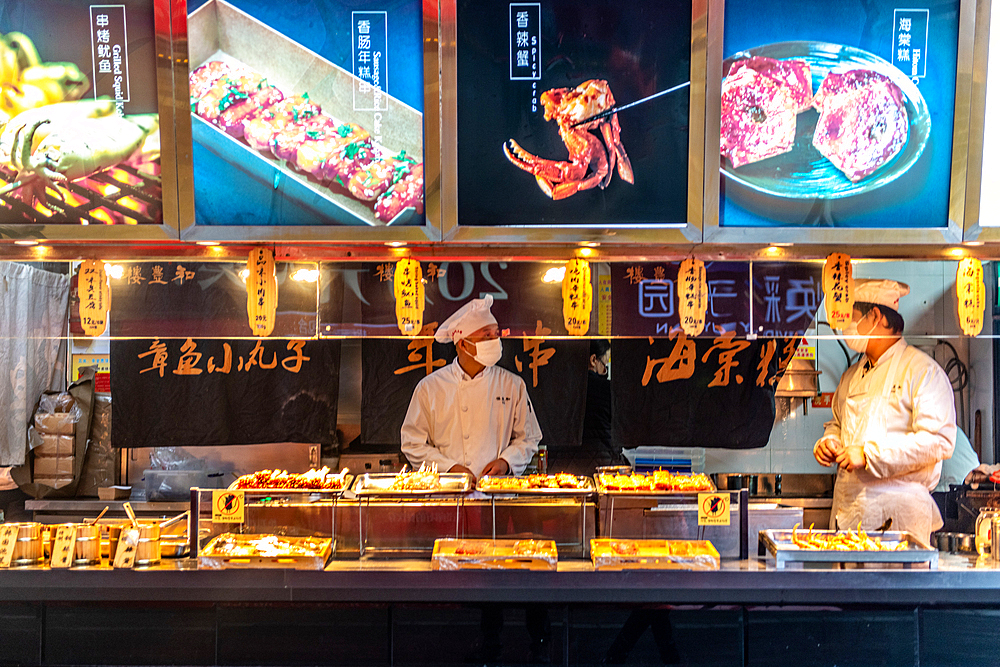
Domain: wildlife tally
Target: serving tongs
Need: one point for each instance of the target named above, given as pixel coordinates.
(622, 107)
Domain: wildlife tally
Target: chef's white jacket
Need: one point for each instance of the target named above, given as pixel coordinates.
(457, 419)
(904, 459)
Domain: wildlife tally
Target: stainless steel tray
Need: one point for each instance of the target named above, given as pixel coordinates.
(779, 544)
(319, 552)
(587, 490)
(601, 489)
(377, 485)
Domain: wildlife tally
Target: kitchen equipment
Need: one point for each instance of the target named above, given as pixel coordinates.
(737, 482)
(779, 544)
(29, 549)
(99, 516)
(177, 484)
(249, 551)
(944, 541)
(460, 554)
(114, 533)
(147, 550)
(984, 523)
(674, 459)
(125, 554)
(617, 554)
(964, 542)
(379, 484)
(995, 539)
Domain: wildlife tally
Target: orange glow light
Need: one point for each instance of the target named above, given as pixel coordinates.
(103, 215)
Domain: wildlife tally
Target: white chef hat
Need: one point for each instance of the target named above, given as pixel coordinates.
(880, 292)
(468, 319)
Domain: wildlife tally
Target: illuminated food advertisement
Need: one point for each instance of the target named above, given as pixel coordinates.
(322, 127)
(837, 123)
(79, 124)
(542, 137)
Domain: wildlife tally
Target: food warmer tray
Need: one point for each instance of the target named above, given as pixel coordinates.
(377, 485)
(587, 490)
(493, 555)
(602, 490)
(779, 544)
(211, 559)
(336, 492)
(654, 555)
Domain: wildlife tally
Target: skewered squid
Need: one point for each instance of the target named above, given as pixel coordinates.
(60, 147)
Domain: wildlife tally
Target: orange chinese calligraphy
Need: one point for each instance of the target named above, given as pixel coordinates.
(678, 365)
(539, 356)
(422, 352)
(727, 347)
(159, 352)
(188, 363)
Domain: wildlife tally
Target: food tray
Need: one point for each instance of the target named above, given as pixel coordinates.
(601, 489)
(588, 489)
(778, 543)
(212, 559)
(336, 492)
(219, 31)
(377, 484)
(654, 555)
(493, 555)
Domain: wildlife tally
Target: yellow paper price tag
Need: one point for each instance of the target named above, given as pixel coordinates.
(95, 297)
(713, 509)
(408, 288)
(838, 289)
(971, 296)
(262, 291)
(692, 296)
(577, 296)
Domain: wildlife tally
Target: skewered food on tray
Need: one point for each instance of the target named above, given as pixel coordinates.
(846, 540)
(657, 481)
(424, 478)
(560, 480)
(296, 130)
(862, 123)
(282, 479)
(619, 554)
(456, 554)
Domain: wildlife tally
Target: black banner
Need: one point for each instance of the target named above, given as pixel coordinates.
(555, 372)
(681, 392)
(217, 392)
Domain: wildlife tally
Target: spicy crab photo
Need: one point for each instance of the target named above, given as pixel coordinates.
(539, 139)
(837, 122)
(79, 128)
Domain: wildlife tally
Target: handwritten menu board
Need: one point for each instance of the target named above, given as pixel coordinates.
(872, 148)
(528, 71)
(101, 60)
(341, 83)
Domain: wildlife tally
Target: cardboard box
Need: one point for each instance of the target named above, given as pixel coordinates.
(55, 423)
(55, 445)
(54, 482)
(57, 466)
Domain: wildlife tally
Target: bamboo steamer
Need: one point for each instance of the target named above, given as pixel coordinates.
(29, 549)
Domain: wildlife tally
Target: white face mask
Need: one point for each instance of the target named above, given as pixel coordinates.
(856, 340)
(488, 352)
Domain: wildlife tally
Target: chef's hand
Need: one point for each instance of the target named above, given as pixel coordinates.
(461, 468)
(827, 449)
(496, 467)
(852, 458)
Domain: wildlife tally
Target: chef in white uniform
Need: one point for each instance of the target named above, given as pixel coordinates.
(471, 416)
(893, 422)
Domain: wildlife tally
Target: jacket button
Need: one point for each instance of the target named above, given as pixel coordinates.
(465, 408)
(466, 436)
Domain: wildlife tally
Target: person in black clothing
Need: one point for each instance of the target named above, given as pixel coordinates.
(596, 448)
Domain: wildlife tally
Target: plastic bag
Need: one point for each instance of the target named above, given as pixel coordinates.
(102, 459)
(173, 458)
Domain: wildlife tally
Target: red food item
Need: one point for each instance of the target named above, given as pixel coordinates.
(232, 118)
(204, 77)
(320, 146)
(261, 128)
(760, 99)
(625, 548)
(369, 182)
(406, 192)
(863, 122)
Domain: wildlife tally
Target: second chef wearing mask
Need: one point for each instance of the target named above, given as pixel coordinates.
(471, 416)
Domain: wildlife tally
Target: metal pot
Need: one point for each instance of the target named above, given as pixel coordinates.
(964, 542)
